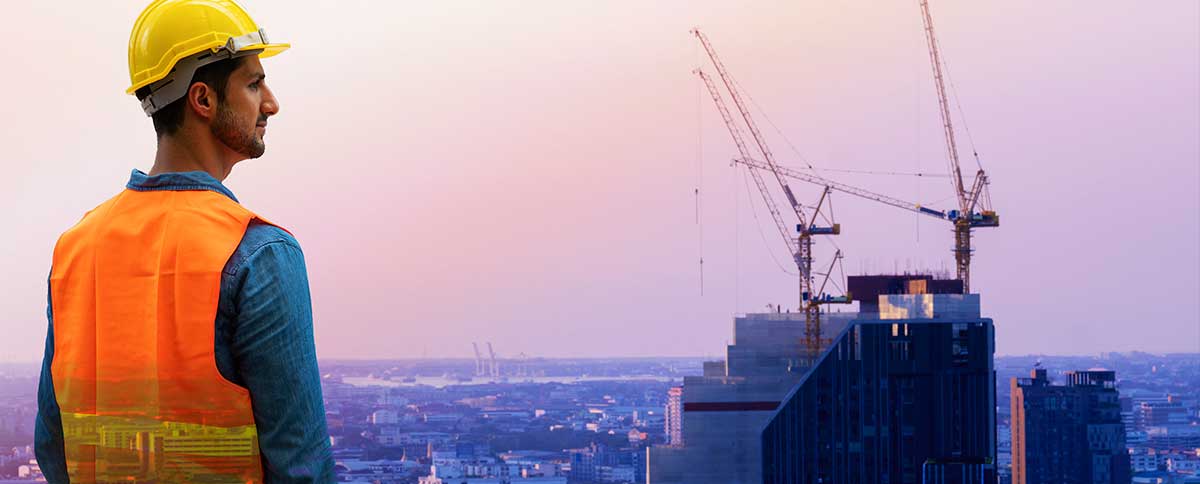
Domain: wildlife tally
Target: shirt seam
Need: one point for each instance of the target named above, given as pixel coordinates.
(190, 187)
(253, 252)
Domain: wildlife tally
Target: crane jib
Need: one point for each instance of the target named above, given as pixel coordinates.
(930, 211)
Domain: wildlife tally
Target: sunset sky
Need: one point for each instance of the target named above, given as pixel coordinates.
(525, 172)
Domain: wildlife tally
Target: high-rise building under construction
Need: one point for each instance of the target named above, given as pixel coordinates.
(722, 412)
(903, 393)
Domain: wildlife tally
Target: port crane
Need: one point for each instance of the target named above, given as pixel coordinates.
(495, 367)
(478, 360)
(811, 296)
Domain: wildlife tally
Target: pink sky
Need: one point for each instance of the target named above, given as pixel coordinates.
(523, 172)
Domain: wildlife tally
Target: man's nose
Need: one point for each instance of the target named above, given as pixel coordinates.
(270, 104)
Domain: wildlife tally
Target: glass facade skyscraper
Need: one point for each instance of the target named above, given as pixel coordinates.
(904, 395)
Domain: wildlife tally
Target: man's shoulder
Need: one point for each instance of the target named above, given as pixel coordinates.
(79, 232)
(92, 215)
(259, 235)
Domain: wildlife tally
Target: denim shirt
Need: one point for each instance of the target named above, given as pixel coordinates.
(264, 342)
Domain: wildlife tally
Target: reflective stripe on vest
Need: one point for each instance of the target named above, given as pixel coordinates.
(134, 288)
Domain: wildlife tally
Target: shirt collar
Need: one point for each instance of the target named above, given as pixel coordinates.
(182, 180)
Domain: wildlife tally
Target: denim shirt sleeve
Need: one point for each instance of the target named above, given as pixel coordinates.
(47, 428)
(265, 313)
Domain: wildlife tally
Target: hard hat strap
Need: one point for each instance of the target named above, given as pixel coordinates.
(166, 90)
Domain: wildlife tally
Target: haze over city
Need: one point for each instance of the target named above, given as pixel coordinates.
(463, 171)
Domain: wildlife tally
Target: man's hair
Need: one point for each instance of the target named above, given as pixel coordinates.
(169, 119)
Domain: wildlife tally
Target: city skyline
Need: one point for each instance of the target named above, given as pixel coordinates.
(463, 172)
(403, 417)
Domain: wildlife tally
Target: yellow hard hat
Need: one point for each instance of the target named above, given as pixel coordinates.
(173, 38)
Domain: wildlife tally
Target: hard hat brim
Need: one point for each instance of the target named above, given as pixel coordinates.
(268, 50)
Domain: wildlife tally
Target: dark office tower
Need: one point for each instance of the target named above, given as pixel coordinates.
(905, 394)
(1068, 434)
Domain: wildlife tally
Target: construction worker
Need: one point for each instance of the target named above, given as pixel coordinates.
(180, 346)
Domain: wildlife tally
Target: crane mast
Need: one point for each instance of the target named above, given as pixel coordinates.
(965, 218)
(801, 246)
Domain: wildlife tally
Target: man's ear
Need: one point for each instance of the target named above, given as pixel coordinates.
(202, 100)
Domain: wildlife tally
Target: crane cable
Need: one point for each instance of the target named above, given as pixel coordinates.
(763, 113)
(958, 103)
(760, 229)
(699, 179)
(890, 173)
(817, 170)
(938, 202)
(804, 160)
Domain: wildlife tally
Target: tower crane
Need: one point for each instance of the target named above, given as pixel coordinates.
(801, 246)
(966, 217)
(974, 204)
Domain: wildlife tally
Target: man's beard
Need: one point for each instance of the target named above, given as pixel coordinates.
(227, 129)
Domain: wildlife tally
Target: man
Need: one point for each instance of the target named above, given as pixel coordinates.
(180, 345)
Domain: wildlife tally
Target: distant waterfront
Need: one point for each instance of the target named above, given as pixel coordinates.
(441, 381)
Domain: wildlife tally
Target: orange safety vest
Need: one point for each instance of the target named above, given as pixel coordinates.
(134, 288)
